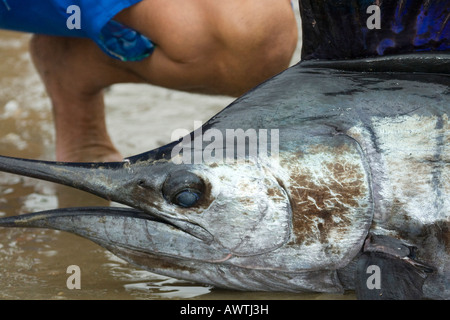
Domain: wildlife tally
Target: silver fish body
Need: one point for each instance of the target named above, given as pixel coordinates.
(361, 174)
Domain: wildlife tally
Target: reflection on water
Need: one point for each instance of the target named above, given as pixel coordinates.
(33, 262)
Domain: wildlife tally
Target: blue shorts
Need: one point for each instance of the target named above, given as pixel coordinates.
(78, 18)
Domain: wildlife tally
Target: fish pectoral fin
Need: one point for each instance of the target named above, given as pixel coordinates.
(381, 276)
(387, 270)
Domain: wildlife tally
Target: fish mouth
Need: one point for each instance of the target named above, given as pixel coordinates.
(121, 229)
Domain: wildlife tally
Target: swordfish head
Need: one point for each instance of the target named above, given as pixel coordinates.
(284, 216)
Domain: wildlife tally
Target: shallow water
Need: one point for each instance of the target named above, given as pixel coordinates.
(33, 262)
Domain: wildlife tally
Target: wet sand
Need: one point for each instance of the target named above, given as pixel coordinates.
(33, 262)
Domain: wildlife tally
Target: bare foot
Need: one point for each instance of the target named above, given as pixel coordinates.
(92, 153)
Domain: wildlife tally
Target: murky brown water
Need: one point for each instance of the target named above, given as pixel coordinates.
(33, 262)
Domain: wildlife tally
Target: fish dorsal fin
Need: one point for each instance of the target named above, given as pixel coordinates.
(352, 29)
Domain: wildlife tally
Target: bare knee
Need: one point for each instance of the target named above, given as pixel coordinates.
(244, 68)
(235, 64)
(263, 49)
(261, 63)
(257, 46)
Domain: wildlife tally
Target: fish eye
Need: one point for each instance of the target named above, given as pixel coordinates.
(186, 198)
(183, 188)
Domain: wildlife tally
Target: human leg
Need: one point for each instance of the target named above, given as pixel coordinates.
(201, 46)
(75, 72)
